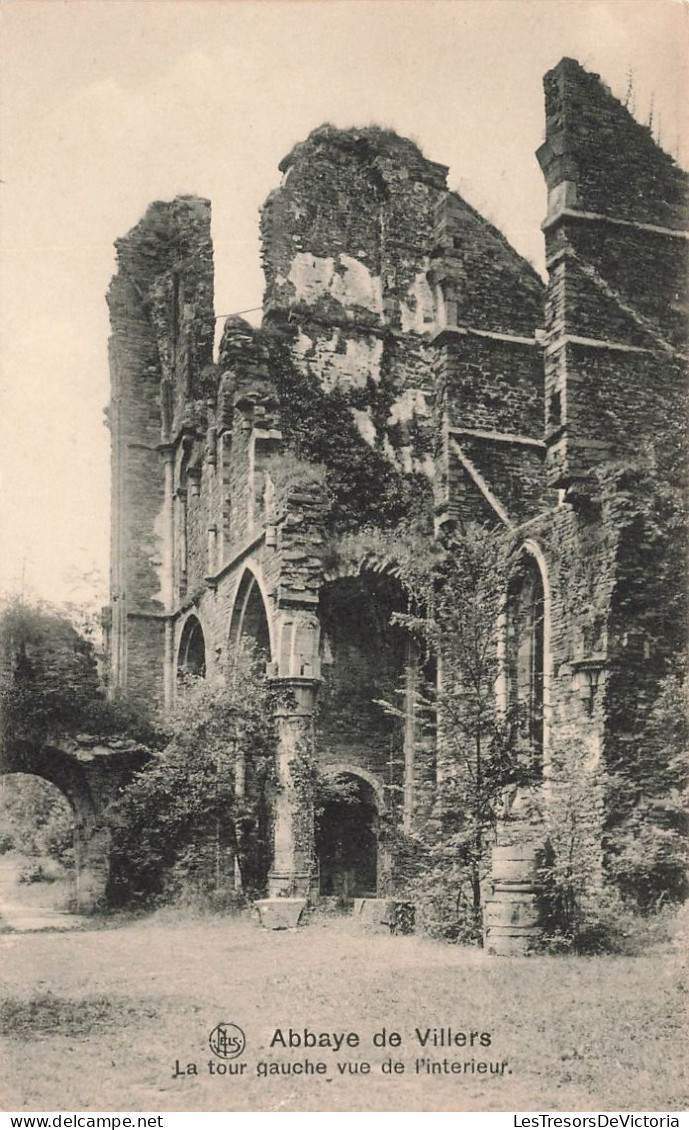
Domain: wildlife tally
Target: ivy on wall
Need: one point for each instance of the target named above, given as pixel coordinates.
(366, 488)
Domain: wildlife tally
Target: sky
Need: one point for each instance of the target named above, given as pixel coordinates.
(106, 105)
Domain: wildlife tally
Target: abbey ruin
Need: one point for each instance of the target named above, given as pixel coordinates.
(409, 364)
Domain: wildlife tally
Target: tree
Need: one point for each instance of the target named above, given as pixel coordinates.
(49, 680)
(200, 808)
(48, 673)
(457, 602)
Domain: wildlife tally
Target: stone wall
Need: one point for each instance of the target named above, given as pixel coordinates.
(411, 367)
(615, 402)
(616, 254)
(346, 245)
(162, 338)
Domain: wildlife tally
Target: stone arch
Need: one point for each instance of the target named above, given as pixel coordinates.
(350, 566)
(527, 646)
(347, 834)
(340, 768)
(249, 618)
(91, 838)
(191, 653)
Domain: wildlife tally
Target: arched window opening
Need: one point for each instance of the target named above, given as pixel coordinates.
(191, 662)
(249, 618)
(525, 653)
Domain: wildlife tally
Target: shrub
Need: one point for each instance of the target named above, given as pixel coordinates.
(199, 809)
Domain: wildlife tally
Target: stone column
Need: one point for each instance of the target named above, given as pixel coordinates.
(92, 865)
(292, 872)
(168, 576)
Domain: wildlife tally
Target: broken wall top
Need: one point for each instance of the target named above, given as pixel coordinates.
(164, 289)
(610, 162)
(366, 205)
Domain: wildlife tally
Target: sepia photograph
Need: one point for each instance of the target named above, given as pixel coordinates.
(344, 742)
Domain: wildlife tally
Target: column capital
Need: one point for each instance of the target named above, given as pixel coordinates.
(303, 688)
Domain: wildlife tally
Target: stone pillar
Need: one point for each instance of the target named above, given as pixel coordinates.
(92, 865)
(292, 872)
(168, 576)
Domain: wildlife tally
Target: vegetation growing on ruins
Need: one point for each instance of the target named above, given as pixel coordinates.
(50, 683)
(199, 809)
(366, 487)
(456, 596)
(647, 753)
(48, 673)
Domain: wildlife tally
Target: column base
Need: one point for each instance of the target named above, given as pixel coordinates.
(290, 884)
(280, 913)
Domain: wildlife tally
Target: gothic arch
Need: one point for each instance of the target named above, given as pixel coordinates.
(249, 619)
(527, 646)
(191, 653)
(344, 768)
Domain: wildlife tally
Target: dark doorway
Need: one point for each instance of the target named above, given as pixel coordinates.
(346, 839)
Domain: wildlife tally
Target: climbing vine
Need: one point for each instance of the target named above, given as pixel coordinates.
(318, 427)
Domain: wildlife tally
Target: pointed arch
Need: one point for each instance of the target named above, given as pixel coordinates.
(527, 647)
(345, 768)
(191, 654)
(249, 619)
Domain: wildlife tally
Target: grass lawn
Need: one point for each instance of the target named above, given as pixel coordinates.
(96, 1019)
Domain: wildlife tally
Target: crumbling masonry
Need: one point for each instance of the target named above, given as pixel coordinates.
(409, 362)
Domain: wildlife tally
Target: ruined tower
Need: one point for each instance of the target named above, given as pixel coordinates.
(409, 363)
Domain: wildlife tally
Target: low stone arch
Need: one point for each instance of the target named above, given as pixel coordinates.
(91, 836)
(341, 768)
(249, 617)
(192, 655)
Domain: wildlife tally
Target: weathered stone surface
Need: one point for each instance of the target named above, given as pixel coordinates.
(280, 913)
(410, 366)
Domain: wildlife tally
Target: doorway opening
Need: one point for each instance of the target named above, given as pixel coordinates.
(347, 838)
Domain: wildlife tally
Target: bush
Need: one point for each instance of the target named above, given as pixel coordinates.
(200, 808)
(647, 847)
(443, 897)
(48, 673)
(611, 926)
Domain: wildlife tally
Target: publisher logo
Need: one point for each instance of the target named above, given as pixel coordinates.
(227, 1041)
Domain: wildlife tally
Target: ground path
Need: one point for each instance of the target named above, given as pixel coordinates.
(32, 906)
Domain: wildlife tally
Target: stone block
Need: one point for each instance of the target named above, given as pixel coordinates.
(280, 914)
(382, 916)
